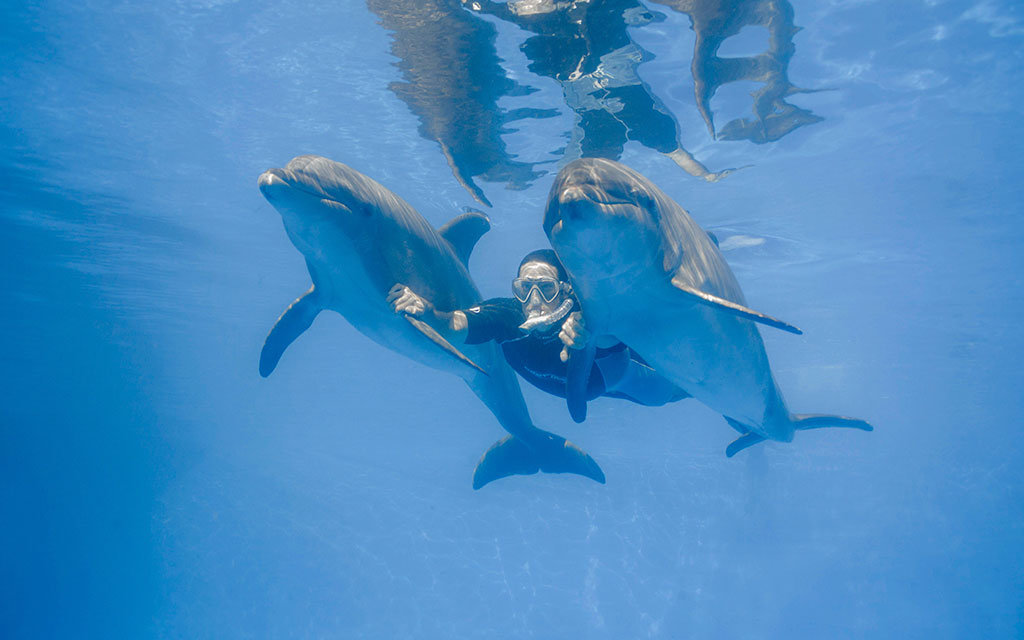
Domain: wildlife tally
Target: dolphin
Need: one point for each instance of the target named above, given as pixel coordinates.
(646, 274)
(359, 239)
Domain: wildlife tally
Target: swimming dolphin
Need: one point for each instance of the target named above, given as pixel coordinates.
(646, 274)
(359, 240)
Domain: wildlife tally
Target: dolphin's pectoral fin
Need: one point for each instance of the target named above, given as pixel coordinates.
(439, 340)
(741, 443)
(742, 428)
(295, 319)
(577, 379)
(805, 421)
(550, 454)
(462, 233)
(731, 307)
(748, 439)
(801, 422)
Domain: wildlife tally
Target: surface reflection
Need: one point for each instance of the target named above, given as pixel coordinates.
(452, 81)
(715, 20)
(453, 77)
(585, 46)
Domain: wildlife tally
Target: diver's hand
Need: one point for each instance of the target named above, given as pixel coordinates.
(404, 300)
(574, 334)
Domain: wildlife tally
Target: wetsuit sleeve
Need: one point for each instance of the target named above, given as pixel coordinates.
(496, 319)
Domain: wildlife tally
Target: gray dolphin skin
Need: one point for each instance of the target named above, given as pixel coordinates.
(648, 275)
(359, 239)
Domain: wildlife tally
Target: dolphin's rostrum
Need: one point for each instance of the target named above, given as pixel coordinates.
(359, 239)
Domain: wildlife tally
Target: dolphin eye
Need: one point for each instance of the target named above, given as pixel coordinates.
(640, 197)
(355, 208)
(616, 195)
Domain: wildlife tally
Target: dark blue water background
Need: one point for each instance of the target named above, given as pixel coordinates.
(153, 485)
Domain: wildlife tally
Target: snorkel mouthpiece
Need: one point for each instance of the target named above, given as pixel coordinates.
(544, 321)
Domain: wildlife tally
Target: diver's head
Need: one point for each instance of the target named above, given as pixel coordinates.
(543, 289)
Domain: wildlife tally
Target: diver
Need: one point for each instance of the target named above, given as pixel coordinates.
(536, 331)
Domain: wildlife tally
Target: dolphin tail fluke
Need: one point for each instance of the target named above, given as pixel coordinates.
(296, 318)
(804, 421)
(551, 454)
(506, 457)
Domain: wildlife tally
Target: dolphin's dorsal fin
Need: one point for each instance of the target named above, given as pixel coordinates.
(731, 307)
(463, 231)
(739, 426)
(295, 319)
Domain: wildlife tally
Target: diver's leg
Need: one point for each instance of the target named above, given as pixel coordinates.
(635, 381)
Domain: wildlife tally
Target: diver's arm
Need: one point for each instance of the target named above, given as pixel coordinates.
(451, 324)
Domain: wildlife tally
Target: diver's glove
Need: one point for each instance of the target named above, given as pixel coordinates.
(574, 334)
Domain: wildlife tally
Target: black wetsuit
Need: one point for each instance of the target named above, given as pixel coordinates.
(534, 356)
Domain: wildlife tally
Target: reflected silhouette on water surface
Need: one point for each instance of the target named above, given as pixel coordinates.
(715, 20)
(452, 81)
(453, 78)
(585, 46)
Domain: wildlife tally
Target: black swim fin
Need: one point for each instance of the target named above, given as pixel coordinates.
(549, 453)
(576, 380)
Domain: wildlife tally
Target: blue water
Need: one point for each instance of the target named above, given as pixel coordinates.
(153, 485)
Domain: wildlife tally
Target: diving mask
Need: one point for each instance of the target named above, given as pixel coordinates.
(548, 288)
